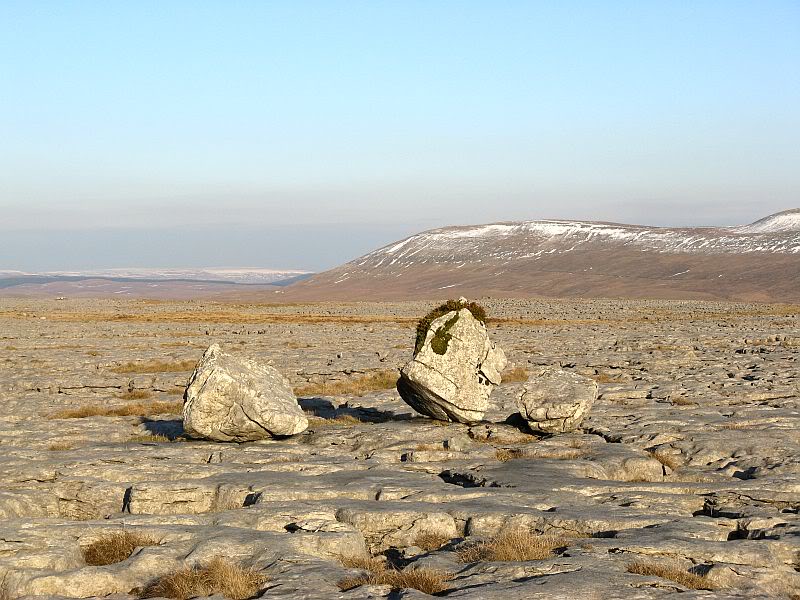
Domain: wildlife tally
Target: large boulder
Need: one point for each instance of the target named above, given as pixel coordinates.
(232, 399)
(454, 371)
(555, 401)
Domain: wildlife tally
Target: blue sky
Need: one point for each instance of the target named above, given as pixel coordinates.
(349, 124)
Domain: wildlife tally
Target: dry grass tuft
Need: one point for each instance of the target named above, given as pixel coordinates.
(340, 421)
(358, 386)
(682, 401)
(297, 345)
(676, 574)
(349, 583)
(426, 580)
(135, 395)
(431, 540)
(219, 576)
(429, 447)
(515, 545)
(514, 375)
(115, 547)
(556, 453)
(606, 378)
(151, 437)
(366, 563)
(140, 409)
(506, 454)
(156, 366)
(59, 446)
(509, 438)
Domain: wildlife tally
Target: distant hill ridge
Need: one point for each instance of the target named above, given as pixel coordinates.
(759, 262)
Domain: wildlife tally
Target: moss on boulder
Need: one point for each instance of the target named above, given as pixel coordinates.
(441, 336)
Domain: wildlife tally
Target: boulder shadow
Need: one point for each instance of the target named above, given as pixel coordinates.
(517, 421)
(317, 407)
(325, 409)
(170, 428)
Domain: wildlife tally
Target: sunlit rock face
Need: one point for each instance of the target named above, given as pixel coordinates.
(454, 372)
(233, 399)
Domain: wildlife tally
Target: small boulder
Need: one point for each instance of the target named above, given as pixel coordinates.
(556, 401)
(232, 399)
(454, 370)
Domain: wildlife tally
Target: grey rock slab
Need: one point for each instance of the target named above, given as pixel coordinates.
(555, 400)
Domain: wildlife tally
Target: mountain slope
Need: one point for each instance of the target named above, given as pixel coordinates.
(759, 262)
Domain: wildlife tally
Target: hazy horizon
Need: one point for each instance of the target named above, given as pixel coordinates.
(301, 135)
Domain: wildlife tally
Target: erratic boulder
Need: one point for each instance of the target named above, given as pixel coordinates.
(454, 371)
(232, 399)
(555, 401)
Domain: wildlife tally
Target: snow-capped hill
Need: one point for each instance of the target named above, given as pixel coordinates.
(788, 220)
(533, 239)
(559, 257)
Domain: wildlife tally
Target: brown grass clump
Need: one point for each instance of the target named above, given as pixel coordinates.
(59, 446)
(515, 545)
(150, 437)
(156, 366)
(426, 580)
(340, 421)
(431, 540)
(605, 378)
(366, 563)
(135, 395)
(297, 345)
(429, 447)
(507, 438)
(219, 576)
(681, 401)
(451, 305)
(676, 574)
(358, 386)
(514, 375)
(506, 454)
(140, 409)
(561, 453)
(115, 547)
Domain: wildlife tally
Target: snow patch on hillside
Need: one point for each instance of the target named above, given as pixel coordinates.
(781, 222)
(778, 233)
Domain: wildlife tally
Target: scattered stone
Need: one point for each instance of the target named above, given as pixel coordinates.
(232, 399)
(556, 401)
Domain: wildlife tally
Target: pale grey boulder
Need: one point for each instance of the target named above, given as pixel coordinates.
(455, 370)
(233, 399)
(556, 401)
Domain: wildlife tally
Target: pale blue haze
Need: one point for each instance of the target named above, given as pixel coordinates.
(364, 121)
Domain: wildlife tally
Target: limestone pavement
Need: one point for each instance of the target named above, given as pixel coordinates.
(689, 457)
